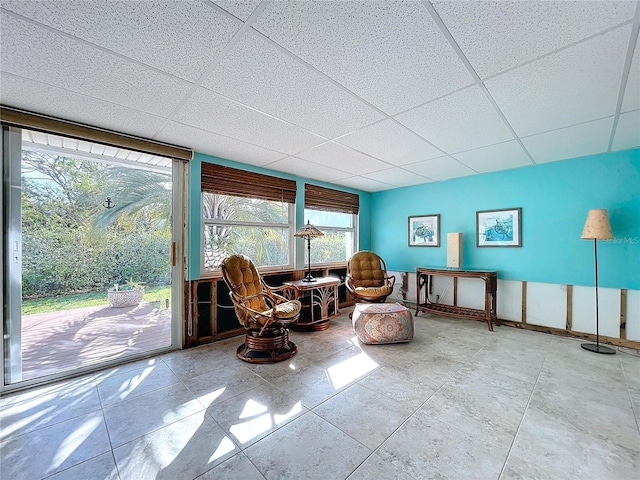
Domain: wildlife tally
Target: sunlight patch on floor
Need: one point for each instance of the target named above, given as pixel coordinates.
(350, 370)
(225, 446)
(130, 384)
(250, 429)
(73, 441)
(207, 399)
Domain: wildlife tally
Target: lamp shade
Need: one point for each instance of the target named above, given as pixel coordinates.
(308, 231)
(597, 226)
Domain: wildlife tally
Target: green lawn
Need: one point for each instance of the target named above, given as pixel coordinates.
(81, 300)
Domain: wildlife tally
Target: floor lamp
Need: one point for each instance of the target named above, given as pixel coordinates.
(307, 232)
(597, 228)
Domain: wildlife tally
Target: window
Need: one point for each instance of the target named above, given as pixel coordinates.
(339, 240)
(260, 229)
(335, 214)
(246, 213)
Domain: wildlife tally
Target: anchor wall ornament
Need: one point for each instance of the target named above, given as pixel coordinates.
(108, 203)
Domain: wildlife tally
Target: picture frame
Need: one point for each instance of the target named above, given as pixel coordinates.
(424, 230)
(499, 228)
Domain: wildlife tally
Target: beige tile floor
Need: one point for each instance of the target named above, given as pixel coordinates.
(458, 402)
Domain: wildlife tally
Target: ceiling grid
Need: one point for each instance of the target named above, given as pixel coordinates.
(369, 94)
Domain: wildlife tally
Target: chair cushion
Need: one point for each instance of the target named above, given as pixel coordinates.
(244, 280)
(366, 270)
(374, 291)
(286, 310)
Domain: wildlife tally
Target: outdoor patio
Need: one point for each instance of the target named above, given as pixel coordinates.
(59, 341)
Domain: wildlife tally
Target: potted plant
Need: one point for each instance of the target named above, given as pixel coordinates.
(127, 295)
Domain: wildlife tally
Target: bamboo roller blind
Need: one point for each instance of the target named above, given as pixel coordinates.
(322, 198)
(241, 183)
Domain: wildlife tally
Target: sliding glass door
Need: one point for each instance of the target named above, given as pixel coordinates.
(90, 255)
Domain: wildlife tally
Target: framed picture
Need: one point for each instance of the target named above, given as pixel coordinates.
(499, 228)
(424, 231)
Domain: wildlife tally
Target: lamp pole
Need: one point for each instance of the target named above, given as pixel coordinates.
(309, 278)
(597, 227)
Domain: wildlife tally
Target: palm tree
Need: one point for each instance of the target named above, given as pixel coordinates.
(221, 240)
(137, 191)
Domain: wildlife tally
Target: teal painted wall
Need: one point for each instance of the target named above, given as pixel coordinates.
(194, 229)
(555, 198)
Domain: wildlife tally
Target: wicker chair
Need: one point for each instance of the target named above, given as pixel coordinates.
(367, 279)
(261, 311)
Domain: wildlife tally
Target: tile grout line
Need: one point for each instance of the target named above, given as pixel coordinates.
(515, 436)
(624, 374)
(414, 414)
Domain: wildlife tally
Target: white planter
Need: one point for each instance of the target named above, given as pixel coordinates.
(125, 298)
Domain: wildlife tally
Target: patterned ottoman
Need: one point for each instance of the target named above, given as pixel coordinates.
(382, 323)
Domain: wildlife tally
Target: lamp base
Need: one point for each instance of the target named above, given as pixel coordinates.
(592, 347)
(309, 278)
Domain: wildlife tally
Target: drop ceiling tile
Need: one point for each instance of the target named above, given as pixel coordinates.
(575, 85)
(216, 145)
(627, 132)
(495, 157)
(62, 62)
(398, 177)
(442, 168)
(214, 113)
(390, 142)
(260, 75)
(460, 121)
(391, 54)
(362, 183)
(631, 99)
(240, 8)
(305, 169)
(514, 32)
(337, 156)
(154, 35)
(38, 97)
(570, 142)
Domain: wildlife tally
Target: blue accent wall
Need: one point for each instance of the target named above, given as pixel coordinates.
(555, 199)
(194, 230)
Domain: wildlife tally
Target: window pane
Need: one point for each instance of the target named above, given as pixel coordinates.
(253, 210)
(328, 219)
(334, 246)
(265, 246)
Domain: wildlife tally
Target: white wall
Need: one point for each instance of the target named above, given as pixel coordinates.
(546, 303)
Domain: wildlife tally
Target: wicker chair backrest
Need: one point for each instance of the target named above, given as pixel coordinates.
(243, 280)
(367, 269)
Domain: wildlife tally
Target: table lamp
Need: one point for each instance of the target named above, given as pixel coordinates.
(307, 232)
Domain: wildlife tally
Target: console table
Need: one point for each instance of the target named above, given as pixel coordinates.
(320, 298)
(424, 286)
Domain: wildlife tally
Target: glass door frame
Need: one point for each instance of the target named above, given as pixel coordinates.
(11, 265)
(11, 256)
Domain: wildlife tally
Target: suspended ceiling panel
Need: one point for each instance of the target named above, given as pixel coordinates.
(365, 94)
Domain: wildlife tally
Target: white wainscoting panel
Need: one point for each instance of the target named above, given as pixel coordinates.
(546, 305)
(442, 286)
(396, 295)
(633, 315)
(583, 306)
(510, 300)
(471, 293)
(411, 291)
